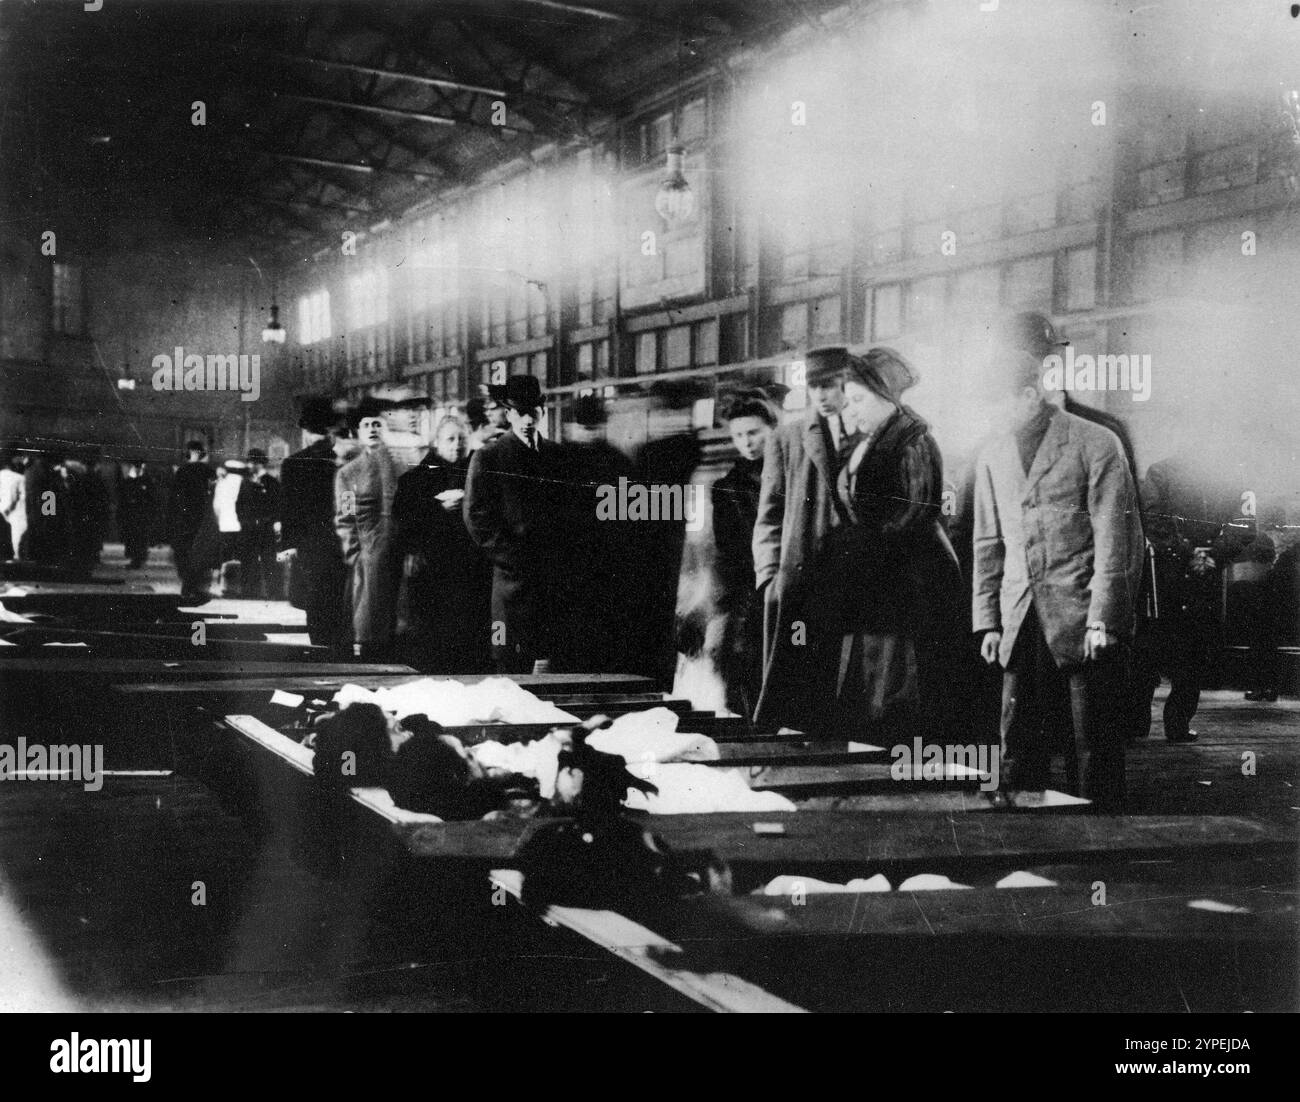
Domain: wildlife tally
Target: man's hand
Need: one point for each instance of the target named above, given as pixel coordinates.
(989, 646)
(1097, 642)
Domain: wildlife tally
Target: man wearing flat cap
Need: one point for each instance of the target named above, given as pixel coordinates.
(797, 507)
(363, 518)
(307, 536)
(513, 505)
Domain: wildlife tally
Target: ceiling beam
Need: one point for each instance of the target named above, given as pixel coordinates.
(582, 9)
(433, 82)
(396, 112)
(460, 119)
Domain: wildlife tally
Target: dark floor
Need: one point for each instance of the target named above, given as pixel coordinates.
(101, 894)
(151, 895)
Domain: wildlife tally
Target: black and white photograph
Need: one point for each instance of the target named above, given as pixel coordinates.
(651, 506)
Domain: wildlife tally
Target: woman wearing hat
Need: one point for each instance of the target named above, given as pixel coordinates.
(886, 586)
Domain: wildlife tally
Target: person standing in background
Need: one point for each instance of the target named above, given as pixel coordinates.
(594, 601)
(885, 589)
(308, 541)
(513, 510)
(1187, 521)
(135, 513)
(363, 519)
(797, 507)
(258, 508)
(750, 419)
(487, 420)
(449, 582)
(1258, 579)
(189, 504)
(1058, 555)
(87, 512)
(13, 502)
(669, 458)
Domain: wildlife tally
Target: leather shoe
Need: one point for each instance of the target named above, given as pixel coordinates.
(1185, 736)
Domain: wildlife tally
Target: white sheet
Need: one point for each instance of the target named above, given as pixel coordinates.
(453, 704)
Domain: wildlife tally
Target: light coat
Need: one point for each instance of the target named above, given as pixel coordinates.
(363, 507)
(1066, 537)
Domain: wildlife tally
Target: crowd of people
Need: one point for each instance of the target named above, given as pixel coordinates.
(56, 507)
(853, 594)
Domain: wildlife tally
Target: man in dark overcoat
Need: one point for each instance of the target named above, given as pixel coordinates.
(307, 537)
(797, 507)
(513, 508)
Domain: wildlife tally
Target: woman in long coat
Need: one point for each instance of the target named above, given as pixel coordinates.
(449, 580)
(886, 589)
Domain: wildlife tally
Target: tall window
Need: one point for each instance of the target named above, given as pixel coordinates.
(368, 293)
(434, 286)
(67, 299)
(314, 317)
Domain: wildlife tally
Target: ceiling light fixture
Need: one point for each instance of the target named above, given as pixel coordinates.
(675, 201)
(274, 331)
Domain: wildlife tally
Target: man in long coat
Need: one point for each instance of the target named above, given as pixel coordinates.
(797, 506)
(189, 506)
(307, 537)
(363, 506)
(595, 601)
(1058, 561)
(513, 505)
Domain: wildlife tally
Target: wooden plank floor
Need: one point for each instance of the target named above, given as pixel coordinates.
(104, 882)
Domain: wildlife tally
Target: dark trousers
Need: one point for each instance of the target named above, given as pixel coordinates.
(523, 616)
(135, 541)
(741, 659)
(1259, 603)
(261, 573)
(1179, 647)
(194, 577)
(1035, 691)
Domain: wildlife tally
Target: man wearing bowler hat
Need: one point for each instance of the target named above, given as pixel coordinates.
(512, 508)
(797, 506)
(307, 536)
